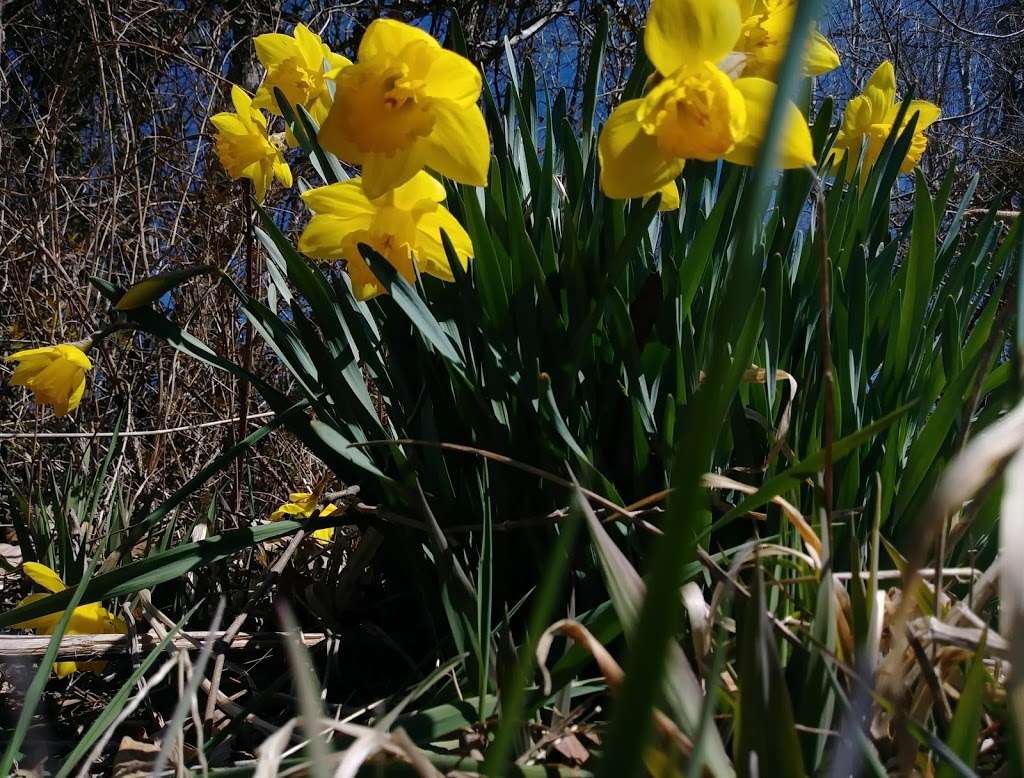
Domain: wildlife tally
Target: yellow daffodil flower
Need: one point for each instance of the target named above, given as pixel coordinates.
(54, 374)
(695, 110)
(404, 105)
(304, 505)
(767, 25)
(300, 65)
(403, 226)
(872, 116)
(91, 619)
(243, 147)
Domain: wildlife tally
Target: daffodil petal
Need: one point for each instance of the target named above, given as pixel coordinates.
(453, 77)
(310, 47)
(323, 536)
(388, 37)
(928, 114)
(30, 364)
(228, 123)
(75, 399)
(40, 623)
(345, 199)
(44, 576)
(632, 164)
(335, 62)
(431, 257)
(683, 33)
(323, 237)
(670, 200)
(884, 80)
(420, 187)
(274, 47)
(459, 146)
(64, 669)
(821, 55)
(797, 146)
(383, 172)
(44, 352)
(240, 100)
(74, 355)
(283, 173)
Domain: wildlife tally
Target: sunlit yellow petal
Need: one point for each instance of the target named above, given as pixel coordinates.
(310, 47)
(283, 173)
(75, 399)
(821, 55)
(431, 257)
(30, 364)
(383, 172)
(797, 147)
(64, 669)
(274, 47)
(45, 353)
(453, 77)
(240, 100)
(74, 355)
(40, 623)
(884, 80)
(928, 113)
(388, 36)
(420, 187)
(687, 32)
(335, 62)
(632, 164)
(44, 576)
(669, 197)
(228, 123)
(459, 146)
(323, 536)
(323, 236)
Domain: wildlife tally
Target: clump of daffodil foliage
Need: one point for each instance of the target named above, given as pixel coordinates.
(662, 376)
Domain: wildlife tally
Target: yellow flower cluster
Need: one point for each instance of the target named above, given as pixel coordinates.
(712, 93)
(404, 105)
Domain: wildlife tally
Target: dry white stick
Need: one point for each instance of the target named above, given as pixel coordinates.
(89, 647)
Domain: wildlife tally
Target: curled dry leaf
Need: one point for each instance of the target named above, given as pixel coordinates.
(613, 674)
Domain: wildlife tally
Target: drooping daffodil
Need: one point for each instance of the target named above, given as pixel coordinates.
(403, 226)
(407, 104)
(301, 66)
(871, 117)
(54, 374)
(91, 619)
(695, 110)
(767, 25)
(303, 505)
(244, 148)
